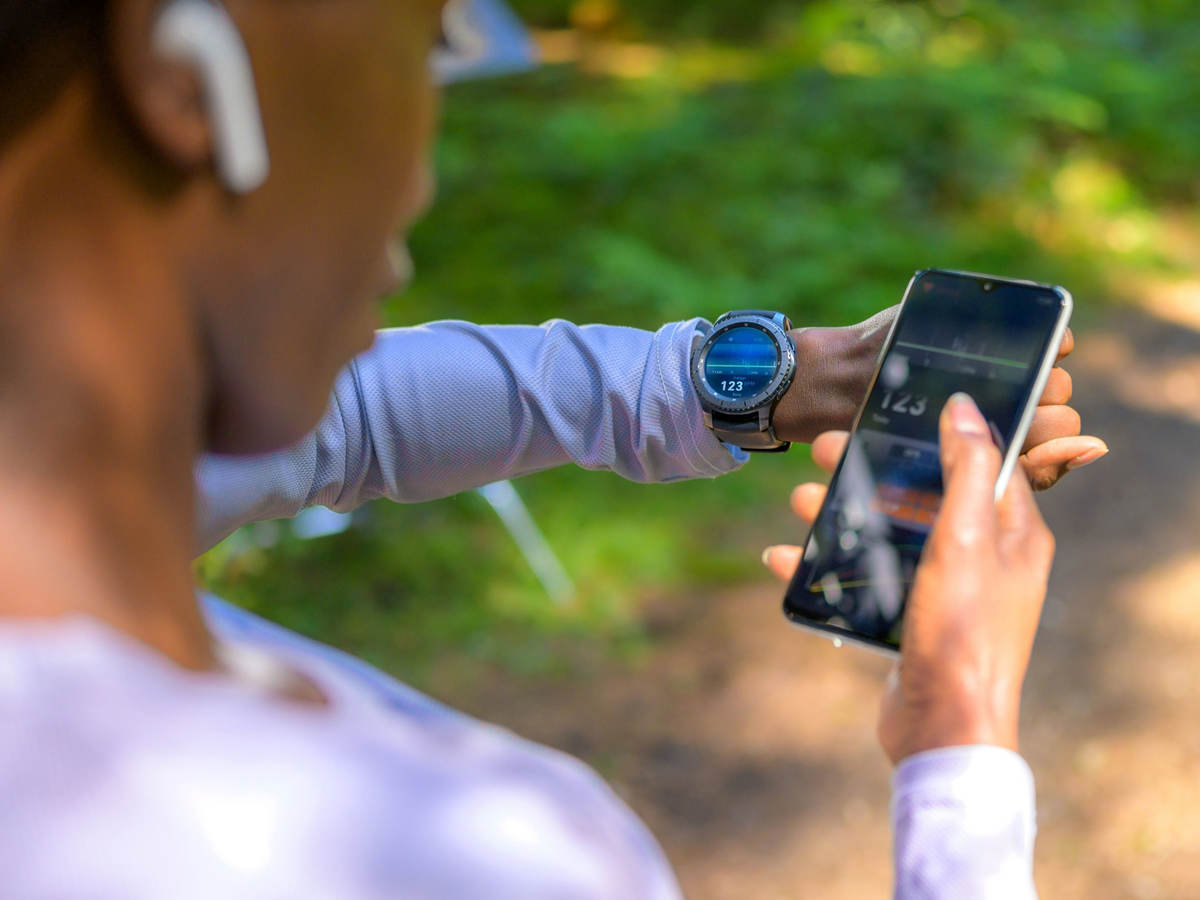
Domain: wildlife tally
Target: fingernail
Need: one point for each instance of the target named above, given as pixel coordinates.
(766, 556)
(1084, 459)
(965, 415)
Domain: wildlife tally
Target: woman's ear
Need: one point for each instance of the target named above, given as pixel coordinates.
(187, 77)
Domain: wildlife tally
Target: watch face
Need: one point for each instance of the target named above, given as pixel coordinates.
(741, 362)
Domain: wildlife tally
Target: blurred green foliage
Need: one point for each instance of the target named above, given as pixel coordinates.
(696, 157)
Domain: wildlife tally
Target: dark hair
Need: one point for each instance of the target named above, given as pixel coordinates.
(41, 43)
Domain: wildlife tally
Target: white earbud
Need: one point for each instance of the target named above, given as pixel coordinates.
(200, 33)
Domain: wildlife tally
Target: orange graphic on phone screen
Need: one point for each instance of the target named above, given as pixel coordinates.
(916, 509)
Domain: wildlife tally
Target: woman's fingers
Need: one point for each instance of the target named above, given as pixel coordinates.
(782, 560)
(1046, 463)
(806, 503)
(1067, 345)
(1058, 389)
(1021, 525)
(970, 464)
(807, 499)
(827, 449)
(1050, 422)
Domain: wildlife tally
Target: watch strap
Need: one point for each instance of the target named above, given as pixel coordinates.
(748, 432)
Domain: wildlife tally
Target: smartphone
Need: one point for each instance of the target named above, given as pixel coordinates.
(994, 338)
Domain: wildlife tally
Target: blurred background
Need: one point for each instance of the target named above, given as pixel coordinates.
(672, 159)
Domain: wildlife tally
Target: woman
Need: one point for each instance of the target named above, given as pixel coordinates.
(192, 248)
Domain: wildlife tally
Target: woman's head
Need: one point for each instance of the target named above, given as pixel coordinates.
(280, 283)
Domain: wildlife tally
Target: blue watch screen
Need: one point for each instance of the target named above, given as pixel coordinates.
(741, 362)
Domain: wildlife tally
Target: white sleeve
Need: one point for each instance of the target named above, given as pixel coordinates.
(963, 825)
(441, 408)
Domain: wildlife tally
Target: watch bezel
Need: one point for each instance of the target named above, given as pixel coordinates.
(784, 371)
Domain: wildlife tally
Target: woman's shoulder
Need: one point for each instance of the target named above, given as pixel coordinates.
(108, 749)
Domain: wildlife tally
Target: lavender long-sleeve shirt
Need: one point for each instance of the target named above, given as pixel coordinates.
(437, 409)
(125, 777)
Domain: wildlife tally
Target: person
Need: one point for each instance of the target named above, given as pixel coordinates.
(191, 248)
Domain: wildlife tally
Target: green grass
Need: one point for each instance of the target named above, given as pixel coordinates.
(808, 159)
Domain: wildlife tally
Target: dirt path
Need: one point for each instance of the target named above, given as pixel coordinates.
(749, 747)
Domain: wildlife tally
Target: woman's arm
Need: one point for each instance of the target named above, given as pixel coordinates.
(441, 408)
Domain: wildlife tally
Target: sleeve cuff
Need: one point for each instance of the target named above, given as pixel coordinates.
(964, 824)
(985, 776)
(706, 455)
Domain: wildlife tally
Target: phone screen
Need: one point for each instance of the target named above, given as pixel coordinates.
(956, 332)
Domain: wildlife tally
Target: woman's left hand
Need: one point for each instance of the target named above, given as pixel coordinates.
(834, 368)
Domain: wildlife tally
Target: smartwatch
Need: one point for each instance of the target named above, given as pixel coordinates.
(740, 371)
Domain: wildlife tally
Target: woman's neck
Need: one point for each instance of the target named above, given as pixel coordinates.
(101, 403)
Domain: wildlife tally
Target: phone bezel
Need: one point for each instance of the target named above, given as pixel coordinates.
(1045, 366)
(785, 366)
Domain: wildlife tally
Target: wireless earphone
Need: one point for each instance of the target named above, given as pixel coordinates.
(201, 33)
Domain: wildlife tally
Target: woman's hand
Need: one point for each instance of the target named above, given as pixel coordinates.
(834, 367)
(974, 606)
(1054, 445)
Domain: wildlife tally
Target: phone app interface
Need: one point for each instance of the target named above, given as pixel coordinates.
(953, 336)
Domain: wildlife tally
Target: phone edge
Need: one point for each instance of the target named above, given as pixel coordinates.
(1039, 386)
(837, 635)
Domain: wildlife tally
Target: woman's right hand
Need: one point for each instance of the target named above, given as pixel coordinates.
(974, 607)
